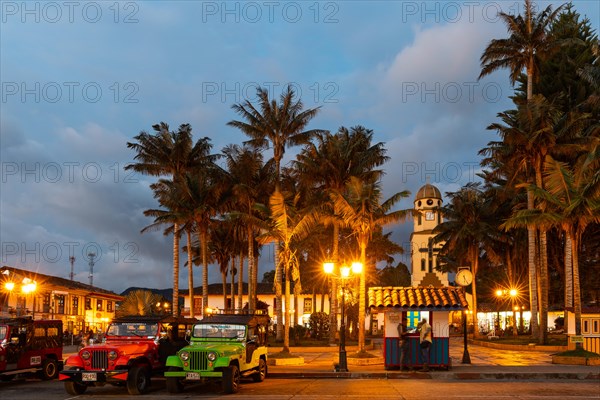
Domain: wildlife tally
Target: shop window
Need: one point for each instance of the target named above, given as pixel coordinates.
(46, 303)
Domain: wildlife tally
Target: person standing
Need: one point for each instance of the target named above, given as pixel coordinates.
(404, 343)
(424, 342)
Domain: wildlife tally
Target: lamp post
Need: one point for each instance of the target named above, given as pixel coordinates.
(466, 357)
(512, 294)
(343, 274)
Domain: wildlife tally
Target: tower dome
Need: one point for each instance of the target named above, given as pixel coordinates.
(428, 191)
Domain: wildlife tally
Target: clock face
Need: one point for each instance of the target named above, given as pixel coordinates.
(429, 216)
(464, 277)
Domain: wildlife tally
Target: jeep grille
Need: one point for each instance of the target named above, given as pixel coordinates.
(99, 359)
(198, 361)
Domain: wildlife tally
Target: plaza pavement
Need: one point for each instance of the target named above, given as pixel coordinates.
(486, 364)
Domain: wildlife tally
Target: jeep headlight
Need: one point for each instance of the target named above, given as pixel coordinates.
(184, 355)
(212, 356)
(112, 355)
(85, 355)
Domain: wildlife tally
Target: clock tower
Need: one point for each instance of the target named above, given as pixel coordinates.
(424, 253)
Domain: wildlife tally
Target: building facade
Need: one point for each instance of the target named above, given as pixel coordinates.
(81, 307)
(424, 253)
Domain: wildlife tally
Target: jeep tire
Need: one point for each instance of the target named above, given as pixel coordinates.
(261, 371)
(174, 384)
(75, 388)
(49, 369)
(138, 380)
(231, 379)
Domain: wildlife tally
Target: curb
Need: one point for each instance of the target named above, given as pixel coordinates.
(505, 376)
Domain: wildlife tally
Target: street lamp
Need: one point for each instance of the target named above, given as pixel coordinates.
(512, 294)
(343, 274)
(466, 357)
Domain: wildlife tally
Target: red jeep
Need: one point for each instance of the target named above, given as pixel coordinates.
(134, 349)
(28, 346)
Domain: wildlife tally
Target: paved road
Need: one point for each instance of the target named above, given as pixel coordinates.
(327, 389)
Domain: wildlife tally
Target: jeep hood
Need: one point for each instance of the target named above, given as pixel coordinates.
(224, 348)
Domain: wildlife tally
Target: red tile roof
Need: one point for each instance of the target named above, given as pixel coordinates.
(422, 298)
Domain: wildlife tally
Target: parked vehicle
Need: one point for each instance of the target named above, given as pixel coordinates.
(224, 347)
(30, 346)
(134, 349)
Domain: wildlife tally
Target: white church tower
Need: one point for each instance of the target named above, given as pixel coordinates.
(424, 254)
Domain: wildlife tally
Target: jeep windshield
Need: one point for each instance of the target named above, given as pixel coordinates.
(132, 329)
(3, 331)
(222, 331)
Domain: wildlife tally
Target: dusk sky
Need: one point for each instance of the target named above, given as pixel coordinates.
(80, 79)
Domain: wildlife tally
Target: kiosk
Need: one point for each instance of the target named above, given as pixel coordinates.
(416, 303)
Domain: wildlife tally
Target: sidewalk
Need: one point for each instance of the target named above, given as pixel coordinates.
(486, 364)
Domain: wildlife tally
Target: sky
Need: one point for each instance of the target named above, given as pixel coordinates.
(79, 79)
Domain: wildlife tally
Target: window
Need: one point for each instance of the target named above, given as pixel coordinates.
(308, 306)
(46, 303)
(422, 264)
(419, 217)
(75, 305)
(198, 305)
(59, 302)
(596, 326)
(99, 304)
(585, 326)
(88, 303)
(109, 306)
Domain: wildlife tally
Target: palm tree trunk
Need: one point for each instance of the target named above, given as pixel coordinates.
(241, 282)
(576, 288)
(568, 276)
(286, 334)
(251, 283)
(361, 300)
(543, 334)
(533, 298)
(232, 288)
(204, 245)
(224, 283)
(190, 271)
(475, 265)
(278, 295)
(175, 270)
(333, 306)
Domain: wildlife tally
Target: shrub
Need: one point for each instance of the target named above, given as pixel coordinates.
(319, 324)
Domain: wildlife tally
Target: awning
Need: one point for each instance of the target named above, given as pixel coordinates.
(446, 298)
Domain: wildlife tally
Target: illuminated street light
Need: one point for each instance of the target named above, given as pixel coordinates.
(512, 293)
(343, 274)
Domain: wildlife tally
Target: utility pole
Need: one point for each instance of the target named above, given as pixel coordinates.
(72, 260)
(91, 256)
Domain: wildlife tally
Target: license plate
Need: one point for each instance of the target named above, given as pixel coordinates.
(192, 376)
(88, 377)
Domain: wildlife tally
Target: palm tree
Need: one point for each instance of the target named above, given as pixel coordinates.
(288, 226)
(251, 182)
(138, 302)
(167, 153)
(278, 126)
(361, 209)
(571, 198)
(529, 43)
(468, 229)
(326, 165)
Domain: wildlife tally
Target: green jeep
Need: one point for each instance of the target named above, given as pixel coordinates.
(223, 347)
